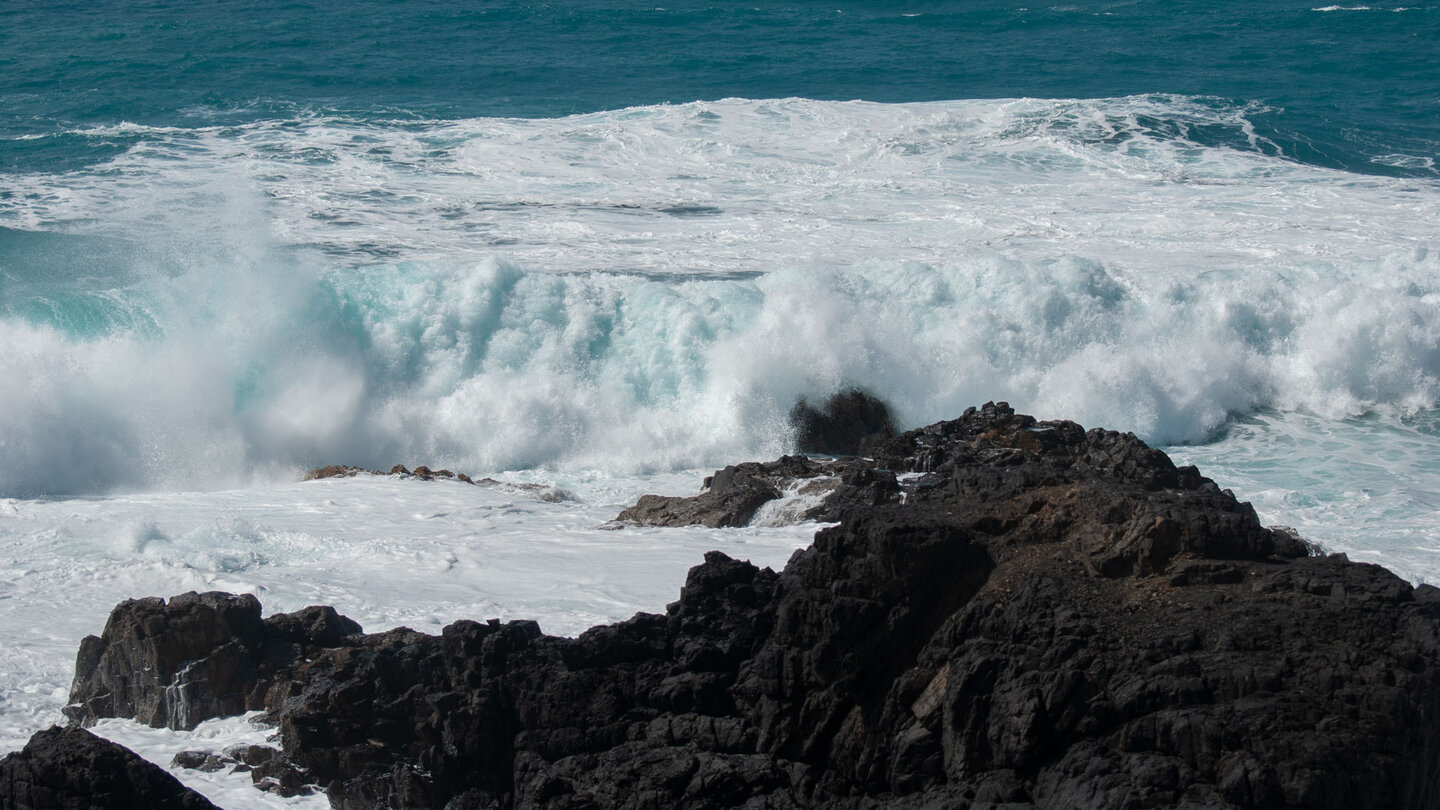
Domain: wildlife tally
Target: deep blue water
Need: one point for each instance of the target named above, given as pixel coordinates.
(1354, 87)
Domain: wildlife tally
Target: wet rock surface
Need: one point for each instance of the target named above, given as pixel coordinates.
(424, 473)
(72, 769)
(180, 662)
(850, 423)
(169, 664)
(1009, 613)
(268, 769)
(813, 489)
(733, 495)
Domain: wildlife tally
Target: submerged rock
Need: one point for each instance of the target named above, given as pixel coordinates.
(72, 769)
(544, 492)
(268, 769)
(336, 471)
(1009, 613)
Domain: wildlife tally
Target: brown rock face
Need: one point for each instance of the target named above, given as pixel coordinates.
(1009, 613)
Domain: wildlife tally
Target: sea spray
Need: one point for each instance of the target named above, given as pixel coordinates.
(493, 366)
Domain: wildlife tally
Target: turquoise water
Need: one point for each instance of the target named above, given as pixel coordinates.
(1352, 86)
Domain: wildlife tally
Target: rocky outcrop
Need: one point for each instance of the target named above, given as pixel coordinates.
(811, 489)
(176, 664)
(1008, 613)
(422, 472)
(169, 664)
(733, 495)
(851, 423)
(72, 769)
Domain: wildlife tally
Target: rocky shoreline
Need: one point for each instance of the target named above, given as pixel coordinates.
(424, 473)
(1006, 614)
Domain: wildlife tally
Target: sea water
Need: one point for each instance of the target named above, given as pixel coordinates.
(604, 247)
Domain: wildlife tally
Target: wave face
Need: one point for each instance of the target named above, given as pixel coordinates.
(1350, 87)
(652, 288)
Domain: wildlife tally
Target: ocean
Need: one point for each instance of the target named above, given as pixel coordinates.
(605, 246)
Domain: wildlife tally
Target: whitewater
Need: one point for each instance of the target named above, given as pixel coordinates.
(619, 302)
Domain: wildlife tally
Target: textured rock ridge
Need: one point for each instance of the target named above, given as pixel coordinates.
(1008, 613)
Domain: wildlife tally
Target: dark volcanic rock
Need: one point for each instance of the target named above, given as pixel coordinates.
(169, 664)
(203, 761)
(819, 489)
(72, 769)
(198, 656)
(1009, 613)
(732, 495)
(268, 769)
(851, 423)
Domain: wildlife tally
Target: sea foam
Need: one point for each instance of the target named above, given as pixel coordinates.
(652, 288)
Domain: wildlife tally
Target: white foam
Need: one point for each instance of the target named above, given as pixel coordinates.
(798, 497)
(225, 788)
(652, 288)
(491, 366)
(1405, 161)
(735, 184)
